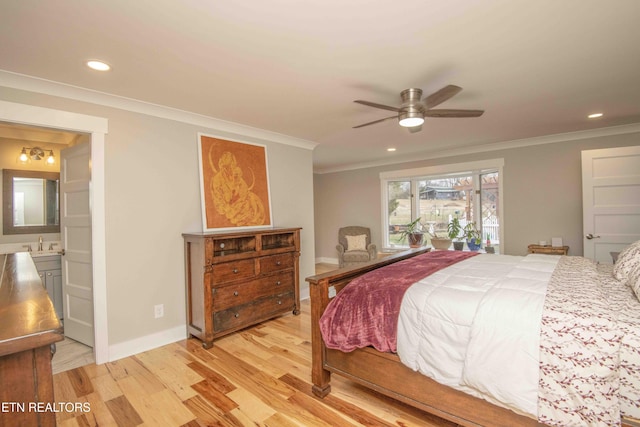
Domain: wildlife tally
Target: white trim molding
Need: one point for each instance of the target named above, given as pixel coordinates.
(444, 169)
(97, 127)
(48, 87)
(495, 146)
(147, 342)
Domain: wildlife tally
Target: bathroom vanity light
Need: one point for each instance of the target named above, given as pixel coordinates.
(36, 153)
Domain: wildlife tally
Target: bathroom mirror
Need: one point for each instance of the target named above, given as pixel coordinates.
(30, 202)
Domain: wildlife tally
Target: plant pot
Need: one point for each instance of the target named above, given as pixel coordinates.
(415, 239)
(441, 244)
(473, 246)
(458, 246)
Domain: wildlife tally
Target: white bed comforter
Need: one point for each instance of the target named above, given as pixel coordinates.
(445, 327)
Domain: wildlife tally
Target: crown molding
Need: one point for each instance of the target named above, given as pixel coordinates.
(503, 145)
(48, 87)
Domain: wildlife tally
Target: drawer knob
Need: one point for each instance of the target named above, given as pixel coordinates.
(235, 270)
(278, 263)
(279, 302)
(278, 282)
(236, 315)
(235, 294)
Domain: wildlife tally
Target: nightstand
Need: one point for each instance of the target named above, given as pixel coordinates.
(548, 250)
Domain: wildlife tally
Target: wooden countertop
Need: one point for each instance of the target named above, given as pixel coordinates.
(27, 317)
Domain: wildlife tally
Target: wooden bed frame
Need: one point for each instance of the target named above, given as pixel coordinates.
(384, 373)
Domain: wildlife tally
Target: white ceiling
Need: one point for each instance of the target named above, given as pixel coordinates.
(294, 67)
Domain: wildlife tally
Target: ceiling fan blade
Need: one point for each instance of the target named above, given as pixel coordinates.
(374, 105)
(415, 129)
(377, 121)
(453, 113)
(440, 96)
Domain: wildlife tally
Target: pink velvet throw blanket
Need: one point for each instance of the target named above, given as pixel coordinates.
(365, 312)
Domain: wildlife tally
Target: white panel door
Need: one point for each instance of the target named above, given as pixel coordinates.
(611, 200)
(75, 228)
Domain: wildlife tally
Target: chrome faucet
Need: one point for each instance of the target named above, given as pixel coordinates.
(40, 244)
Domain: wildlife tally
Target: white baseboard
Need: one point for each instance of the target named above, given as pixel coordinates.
(327, 260)
(148, 342)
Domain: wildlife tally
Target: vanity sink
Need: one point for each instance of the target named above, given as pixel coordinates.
(36, 254)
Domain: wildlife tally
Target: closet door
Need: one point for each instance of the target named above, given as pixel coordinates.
(611, 200)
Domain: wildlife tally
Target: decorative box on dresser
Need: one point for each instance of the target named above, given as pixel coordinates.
(236, 279)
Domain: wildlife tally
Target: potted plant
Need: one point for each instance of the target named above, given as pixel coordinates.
(487, 247)
(414, 233)
(453, 230)
(473, 236)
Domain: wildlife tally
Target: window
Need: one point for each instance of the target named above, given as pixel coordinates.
(468, 191)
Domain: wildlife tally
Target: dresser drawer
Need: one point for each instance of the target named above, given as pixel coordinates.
(242, 293)
(272, 263)
(252, 312)
(234, 270)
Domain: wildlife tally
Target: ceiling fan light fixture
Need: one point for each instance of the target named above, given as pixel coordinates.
(410, 122)
(414, 109)
(410, 118)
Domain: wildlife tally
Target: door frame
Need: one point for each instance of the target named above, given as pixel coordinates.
(97, 128)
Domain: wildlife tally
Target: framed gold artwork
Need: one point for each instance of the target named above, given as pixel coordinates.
(234, 184)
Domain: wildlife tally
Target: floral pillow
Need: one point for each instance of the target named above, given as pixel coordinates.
(628, 261)
(357, 243)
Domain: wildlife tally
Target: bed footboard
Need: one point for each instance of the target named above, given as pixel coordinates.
(323, 288)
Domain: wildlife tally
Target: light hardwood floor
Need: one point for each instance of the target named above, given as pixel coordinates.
(257, 377)
(71, 354)
(324, 267)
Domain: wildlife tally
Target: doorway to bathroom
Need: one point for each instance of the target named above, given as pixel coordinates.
(94, 130)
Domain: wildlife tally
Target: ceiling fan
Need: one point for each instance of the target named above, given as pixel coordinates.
(412, 111)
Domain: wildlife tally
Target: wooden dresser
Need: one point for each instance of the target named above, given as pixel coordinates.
(28, 329)
(239, 278)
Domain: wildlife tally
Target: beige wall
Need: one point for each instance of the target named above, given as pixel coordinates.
(542, 194)
(153, 196)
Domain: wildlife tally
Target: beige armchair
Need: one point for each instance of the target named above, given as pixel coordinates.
(354, 246)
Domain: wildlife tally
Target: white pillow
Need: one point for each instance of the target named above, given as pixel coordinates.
(357, 243)
(628, 260)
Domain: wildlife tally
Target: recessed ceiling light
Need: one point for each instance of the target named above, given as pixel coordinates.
(391, 149)
(595, 115)
(98, 65)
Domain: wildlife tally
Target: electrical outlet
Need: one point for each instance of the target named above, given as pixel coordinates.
(158, 310)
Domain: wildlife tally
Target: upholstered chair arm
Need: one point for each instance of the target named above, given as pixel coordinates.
(340, 249)
(373, 251)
